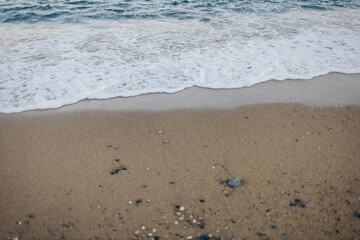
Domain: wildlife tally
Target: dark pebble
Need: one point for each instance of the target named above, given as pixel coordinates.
(177, 206)
(297, 200)
(156, 237)
(337, 231)
(144, 186)
(234, 182)
(321, 199)
(260, 234)
(117, 170)
(303, 204)
(202, 225)
(268, 210)
(292, 204)
(138, 201)
(357, 214)
(202, 200)
(204, 237)
(117, 160)
(172, 182)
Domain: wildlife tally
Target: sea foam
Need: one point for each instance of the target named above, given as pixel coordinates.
(47, 65)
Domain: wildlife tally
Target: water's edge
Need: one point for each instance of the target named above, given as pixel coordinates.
(332, 89)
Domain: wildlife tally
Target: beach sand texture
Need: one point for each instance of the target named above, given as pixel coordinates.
(56, 180)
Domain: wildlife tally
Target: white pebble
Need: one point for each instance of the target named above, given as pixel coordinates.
(176, 222)
(137, 232)
(213, 167)
(149, 235)
(143, 227)
(182, 208)
(154, 230)
(160, 131)
(130, 202)
(189, 237)
(194, 221)
(147, 168)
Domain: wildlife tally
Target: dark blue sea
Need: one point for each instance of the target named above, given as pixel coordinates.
(59, 52)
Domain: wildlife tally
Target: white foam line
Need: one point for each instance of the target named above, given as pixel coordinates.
(333, 89)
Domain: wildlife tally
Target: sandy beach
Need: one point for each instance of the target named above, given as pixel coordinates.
(87, 171)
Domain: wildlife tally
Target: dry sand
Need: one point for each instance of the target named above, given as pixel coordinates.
(56, 180)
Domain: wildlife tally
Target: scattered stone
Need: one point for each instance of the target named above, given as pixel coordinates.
(357, 214)
(297, 200)
(117, 170)
(130, 202)
(273, 226)
(138, 201)
(260, 234)
(182, 208)
(202, 200)
(303, 204)
(202, 225)
(166, 141)
(321, 199)
(234, 182)
(143, 227)
(144, 186)
(156, 237)
(116, 148)
(117, 160)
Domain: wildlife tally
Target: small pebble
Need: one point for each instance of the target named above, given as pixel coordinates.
(130, 202)
(154, 230)
(303, 204)
(202, 225)
(176, 222)
(189, 237)
(160, 131)
(182, 208)
(143, 227)
(137, 232)
(234, 182)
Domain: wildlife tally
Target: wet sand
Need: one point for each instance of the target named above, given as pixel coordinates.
(299, 167)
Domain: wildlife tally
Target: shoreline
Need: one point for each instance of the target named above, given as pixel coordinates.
(332, 89)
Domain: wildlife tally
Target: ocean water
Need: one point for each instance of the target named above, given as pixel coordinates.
(61, 51)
